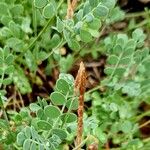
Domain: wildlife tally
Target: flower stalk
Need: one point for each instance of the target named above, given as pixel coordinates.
(80, 83)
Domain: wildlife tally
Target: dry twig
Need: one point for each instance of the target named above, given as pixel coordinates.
(144, 124)
(80, 83)
(71, 8)
(107, 146)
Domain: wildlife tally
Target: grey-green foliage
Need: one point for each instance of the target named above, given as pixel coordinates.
(21, 31)
(127, 69)
(49, 128)
(14, 31)
(29, 139)
(86, 23)
(128, 63)
(6, 67)
(114, 114)
(20, 80)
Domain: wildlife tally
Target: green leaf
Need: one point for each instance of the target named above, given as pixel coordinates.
(9, 59)
(17, 9)
(112, 59)
(66, 63)
(25, 26)
(33, 146)
(85, 36)
(57, 98)
(7, 81)
(3, 9)
(40, 3)
(20, 138)
(60, 133)
(132, 89)
(34, 107)
(135, 143)
(16, 44)
(120, 71)
(94, 33)
(15, 29)
(1, 60)
(74, 44)
(5, 20)
(66, 35)
(30, 61)
(21, 81)
(79, 15)
(124, 112)
(62, 86)
(49, 11)
(27, 132)
(86, 8)
(54, 41)
(126, 126)
(1, 71)
(67, 77)
(101, 11)
(9, 69)
(138, 35)
(108, 70)
(117, 49)
(109, 3)
(44, 125)
(42, 56)
(68, 117)
(59, 25)
(95, 24)
(35, 135)
(52, 112)
(18, 118)
(3, 123)
(125, 61)
(89, 17)
(101, 135)
(41, 147)
(130, 44)
(113, 107)
(26, 144)
(116, 14)
(5, 32)
(72, 104)
(40, 114)
(93, 3)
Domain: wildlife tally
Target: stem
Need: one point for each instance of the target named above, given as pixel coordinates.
(3, 109)
(5, 115)
(2, 78)
(94, 89)
(146, 140)
(137, 118)
(137, 14)
(34, 19)
(144, 22)
(80, 119)
(115, 67)
(69, 109)
(141, 115)
(34, 41)
(80, 83)
(81, 144)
